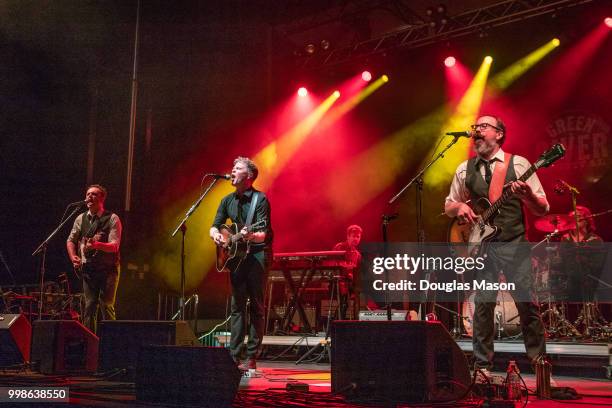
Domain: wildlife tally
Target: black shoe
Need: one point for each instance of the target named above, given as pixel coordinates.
(250, 364)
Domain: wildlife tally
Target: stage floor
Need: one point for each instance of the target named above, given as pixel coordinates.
(267, 388)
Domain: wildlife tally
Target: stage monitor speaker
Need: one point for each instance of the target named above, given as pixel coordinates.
(397, 361)
(121, 340)
(63, 346)
(15, 338)
(203, 376)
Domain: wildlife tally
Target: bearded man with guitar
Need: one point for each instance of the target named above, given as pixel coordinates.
(496, 175)
(93, 249)
(247, 246)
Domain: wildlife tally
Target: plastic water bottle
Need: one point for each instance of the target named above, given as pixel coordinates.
(513, 382)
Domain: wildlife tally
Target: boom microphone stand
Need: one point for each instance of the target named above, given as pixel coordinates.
(418, 181)
(183, 227)
(42, 248)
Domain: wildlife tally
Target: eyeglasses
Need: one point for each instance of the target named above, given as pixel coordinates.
(483, 126)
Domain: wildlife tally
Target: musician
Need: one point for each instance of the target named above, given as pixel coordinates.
(584, 261)
(93, 248)
(248, 279)
(586, 227)
(346, 284)
(474, 179)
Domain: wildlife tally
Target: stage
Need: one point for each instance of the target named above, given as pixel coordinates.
(268, 387)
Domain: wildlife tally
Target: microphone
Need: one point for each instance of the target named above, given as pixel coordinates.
(562, 186)
(220, 176)
(79, 203)
(460, 134)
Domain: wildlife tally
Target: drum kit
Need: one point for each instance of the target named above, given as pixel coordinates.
(564, 317)
(553, 284)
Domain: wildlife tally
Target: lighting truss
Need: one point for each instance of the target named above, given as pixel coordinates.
(424, 33)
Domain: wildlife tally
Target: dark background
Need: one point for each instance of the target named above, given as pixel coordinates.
(208, 71)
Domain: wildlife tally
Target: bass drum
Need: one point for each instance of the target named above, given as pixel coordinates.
(505, 314)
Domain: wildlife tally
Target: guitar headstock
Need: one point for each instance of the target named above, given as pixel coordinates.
(550, 156)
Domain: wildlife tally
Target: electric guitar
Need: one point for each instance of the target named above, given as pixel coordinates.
(89, 253)
(483, 230)
(234, 249)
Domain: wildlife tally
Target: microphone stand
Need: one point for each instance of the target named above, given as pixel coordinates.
(42, 248)
(418, 180)
(183, 227)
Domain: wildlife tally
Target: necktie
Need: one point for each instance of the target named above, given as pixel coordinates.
(488, 173)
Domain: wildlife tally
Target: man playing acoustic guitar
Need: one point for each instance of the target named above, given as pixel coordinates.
(246, 207)
(485, 176)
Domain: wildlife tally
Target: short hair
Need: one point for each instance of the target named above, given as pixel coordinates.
(584, 212)
(99, 187)
(502, 126)
(354, 228)
(250, 165)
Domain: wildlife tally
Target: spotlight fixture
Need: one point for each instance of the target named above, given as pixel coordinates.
(608, 22)
(488, 59)
(325, 45)
(366, 76)
(337, 93)
(302, 92)
(437, 15)
(556, 42)
(310, 49)
(450, 62)
(385, 78)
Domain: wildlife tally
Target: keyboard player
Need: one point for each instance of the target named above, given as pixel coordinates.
(348, 281)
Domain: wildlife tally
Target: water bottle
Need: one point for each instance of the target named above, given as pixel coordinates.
(543, 369)
(513, 382)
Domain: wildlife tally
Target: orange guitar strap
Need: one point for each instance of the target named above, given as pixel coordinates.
(499, 177)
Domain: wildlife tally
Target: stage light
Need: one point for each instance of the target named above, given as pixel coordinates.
(385, 78)
(450, 62)
(337, 93)
(556, 42)
(310, 49)
(366, 76)
(302, 91)
(608, 22)
(488, 59)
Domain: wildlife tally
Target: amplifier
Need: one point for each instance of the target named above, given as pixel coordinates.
(382, 315)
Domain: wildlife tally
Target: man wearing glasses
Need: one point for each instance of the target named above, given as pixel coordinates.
(474, 179)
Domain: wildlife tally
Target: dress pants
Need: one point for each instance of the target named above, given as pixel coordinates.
(514, 258)
(100, 289)
(247, 283)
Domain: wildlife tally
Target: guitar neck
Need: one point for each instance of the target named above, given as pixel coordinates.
(507, 194)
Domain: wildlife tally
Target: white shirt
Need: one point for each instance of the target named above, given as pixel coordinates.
(459, 193)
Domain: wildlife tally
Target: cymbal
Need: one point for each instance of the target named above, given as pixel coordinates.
(551, 222)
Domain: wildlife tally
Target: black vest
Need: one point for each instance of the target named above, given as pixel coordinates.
(101, 228)
(510, 216)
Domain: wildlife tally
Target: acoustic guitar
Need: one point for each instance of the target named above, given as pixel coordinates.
(235, 248)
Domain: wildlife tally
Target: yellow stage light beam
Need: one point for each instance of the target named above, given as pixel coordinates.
(200, 249)
(375, 169)
(464, 115)
(356, 99)
(506, 77)
(272, 158)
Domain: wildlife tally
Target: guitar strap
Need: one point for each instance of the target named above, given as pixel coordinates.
(499, 176)
(252, 208)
